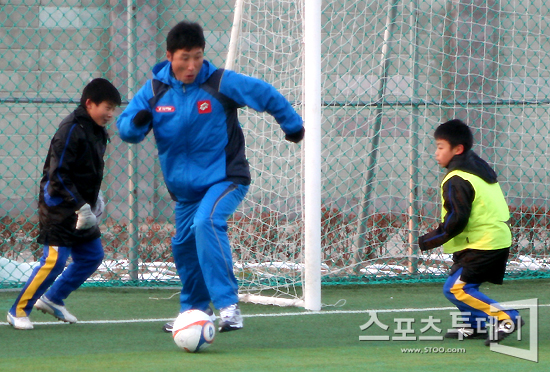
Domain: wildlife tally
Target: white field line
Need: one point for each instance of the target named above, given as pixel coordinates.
(305, 313)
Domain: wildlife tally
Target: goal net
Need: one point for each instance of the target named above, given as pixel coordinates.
(391, 72)
(267, 232)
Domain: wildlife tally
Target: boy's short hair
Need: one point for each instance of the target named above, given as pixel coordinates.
(185, 35)
(456, 132)
(100, 90)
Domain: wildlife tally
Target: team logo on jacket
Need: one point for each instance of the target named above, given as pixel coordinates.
(162, 109)
(205, 107)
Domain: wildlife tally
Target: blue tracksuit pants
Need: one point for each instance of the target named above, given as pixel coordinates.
(86, 259)
(201, 248)
(468, 299)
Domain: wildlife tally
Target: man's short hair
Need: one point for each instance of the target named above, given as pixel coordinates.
(100, 90)
(456, 132)
(185, 35)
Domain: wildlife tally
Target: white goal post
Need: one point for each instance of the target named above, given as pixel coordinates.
(311, 112)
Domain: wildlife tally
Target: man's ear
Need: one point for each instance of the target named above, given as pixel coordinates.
(459, 149)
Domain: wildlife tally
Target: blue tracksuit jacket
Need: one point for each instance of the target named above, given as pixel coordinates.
(199, 139)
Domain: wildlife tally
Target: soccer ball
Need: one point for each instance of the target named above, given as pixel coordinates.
(193, 331)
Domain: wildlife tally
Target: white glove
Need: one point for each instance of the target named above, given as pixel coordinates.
(86, 219)
(99, 206)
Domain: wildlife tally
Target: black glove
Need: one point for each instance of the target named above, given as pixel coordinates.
(142, 118)
(421, 244)
(296, 137)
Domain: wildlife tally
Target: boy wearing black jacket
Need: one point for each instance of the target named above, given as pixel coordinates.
(68, 206)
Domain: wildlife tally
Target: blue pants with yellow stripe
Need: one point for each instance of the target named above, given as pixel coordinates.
(86, 259)
(201, 249)
(468, 299)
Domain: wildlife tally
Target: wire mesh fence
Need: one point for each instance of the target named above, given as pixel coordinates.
(391, 71)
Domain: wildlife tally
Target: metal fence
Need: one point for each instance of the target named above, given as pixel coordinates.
(392, 70)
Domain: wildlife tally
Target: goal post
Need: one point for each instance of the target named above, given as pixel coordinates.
(235, 32)
(312, 158)
(311, 154)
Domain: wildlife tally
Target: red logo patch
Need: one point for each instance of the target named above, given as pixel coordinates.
(205, 107)
(165, 109)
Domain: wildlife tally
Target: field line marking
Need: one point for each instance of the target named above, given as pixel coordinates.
(304, 313)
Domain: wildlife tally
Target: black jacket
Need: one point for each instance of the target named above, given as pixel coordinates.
(458, 198)
(72, 177)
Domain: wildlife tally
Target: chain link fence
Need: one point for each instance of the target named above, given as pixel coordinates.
(392, 70)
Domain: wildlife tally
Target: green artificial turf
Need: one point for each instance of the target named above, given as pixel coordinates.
(274, 338)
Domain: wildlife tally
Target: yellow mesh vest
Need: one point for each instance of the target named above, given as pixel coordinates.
(487, 227)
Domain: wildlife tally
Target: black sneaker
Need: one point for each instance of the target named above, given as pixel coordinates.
(505, 328)
(167, 327)
(465, 333)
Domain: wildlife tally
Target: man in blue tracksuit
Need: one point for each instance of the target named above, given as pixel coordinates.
(191, 107)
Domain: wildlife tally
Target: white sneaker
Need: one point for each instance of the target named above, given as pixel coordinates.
(231, 318)
(59, 311)
(22, 322)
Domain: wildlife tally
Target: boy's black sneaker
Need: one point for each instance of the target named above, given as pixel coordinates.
(505, 328)
(167, 327)
(465, 333)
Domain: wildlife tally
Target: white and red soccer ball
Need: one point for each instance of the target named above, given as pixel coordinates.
(193, 331)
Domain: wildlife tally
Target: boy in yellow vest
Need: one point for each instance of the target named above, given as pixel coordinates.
(475, 230)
